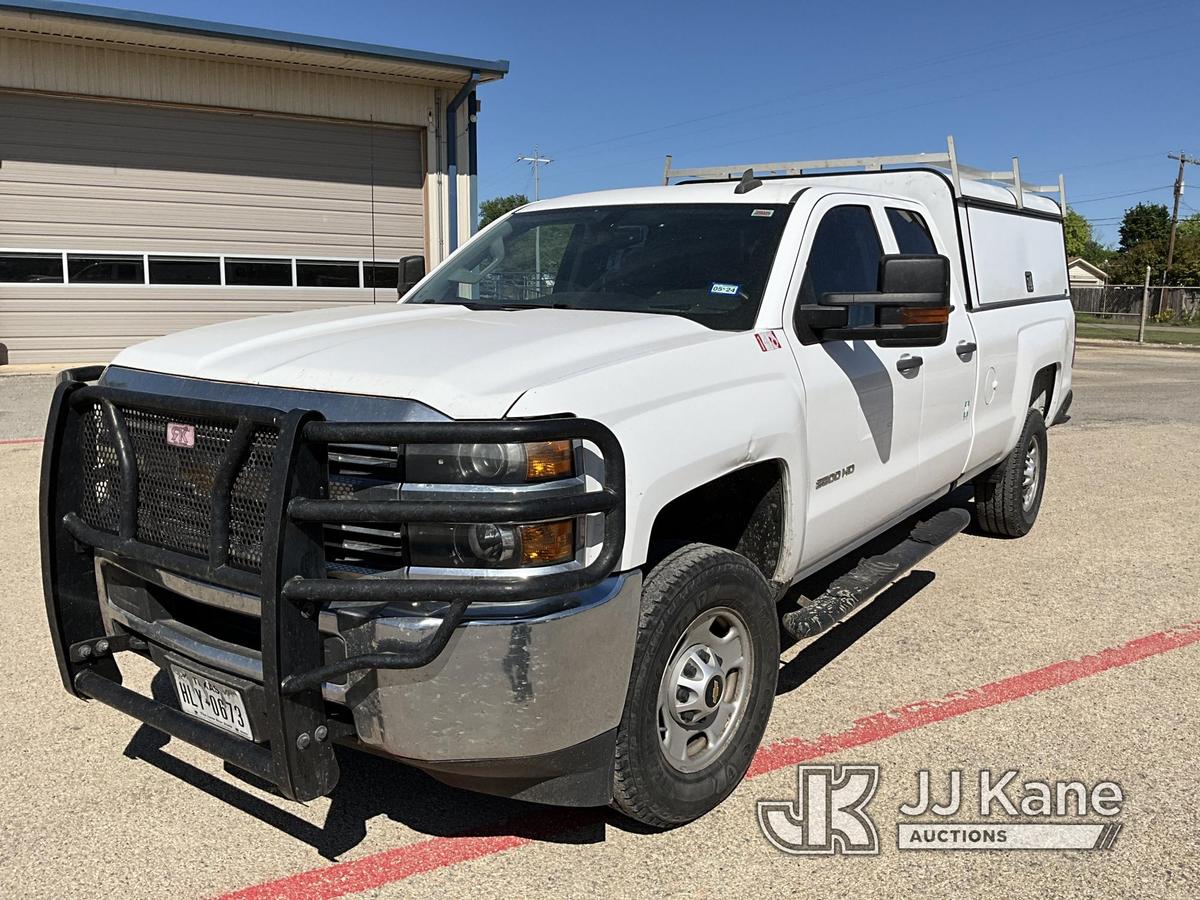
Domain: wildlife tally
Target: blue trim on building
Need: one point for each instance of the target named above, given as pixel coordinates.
(495, 67)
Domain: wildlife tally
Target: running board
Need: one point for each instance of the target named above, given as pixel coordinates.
(873, 575)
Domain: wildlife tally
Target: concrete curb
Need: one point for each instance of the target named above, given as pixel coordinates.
(1133, 345)
(11, 371)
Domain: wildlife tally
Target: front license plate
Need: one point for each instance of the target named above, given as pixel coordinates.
(213, 702)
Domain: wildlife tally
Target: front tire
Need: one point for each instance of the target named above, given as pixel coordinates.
(1007, 498)
(702, 686)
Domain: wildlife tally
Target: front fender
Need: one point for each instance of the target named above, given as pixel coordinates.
(687, 416)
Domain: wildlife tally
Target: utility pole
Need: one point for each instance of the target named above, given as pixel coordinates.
(535, 162)
(1184, 159)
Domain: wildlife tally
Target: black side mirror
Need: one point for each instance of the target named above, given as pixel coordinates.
(911, 307)
(412, 270)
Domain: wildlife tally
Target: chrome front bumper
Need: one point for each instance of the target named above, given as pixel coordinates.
(506, 686)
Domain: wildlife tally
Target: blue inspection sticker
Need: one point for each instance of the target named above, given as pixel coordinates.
(721, 287)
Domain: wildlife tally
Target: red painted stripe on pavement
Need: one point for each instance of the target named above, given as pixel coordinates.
(23, 441)
(381, 868)
(794, 751)
(394, 865)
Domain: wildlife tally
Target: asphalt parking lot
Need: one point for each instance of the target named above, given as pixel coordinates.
(1071, 654)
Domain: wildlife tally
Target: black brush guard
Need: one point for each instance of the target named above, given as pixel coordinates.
(296, 752)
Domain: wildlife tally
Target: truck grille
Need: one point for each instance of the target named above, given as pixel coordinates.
(176, 490)
(248, 501)
(176, 484)
(368, 472)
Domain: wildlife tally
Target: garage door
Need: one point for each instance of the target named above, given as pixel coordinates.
(119, 222)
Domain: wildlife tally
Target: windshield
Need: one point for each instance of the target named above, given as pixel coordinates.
(707, 262)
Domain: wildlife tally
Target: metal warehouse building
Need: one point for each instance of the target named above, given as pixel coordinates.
(160, 173)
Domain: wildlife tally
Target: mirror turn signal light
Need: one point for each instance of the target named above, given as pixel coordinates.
(924, 315)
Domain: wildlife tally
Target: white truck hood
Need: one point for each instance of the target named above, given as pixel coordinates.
(464, 363)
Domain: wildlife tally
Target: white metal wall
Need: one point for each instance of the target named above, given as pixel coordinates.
(88, 175)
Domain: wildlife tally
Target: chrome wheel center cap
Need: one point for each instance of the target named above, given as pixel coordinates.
(698, 682)
(713, 691)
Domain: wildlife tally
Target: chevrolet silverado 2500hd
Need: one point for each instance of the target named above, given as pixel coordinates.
(527, 528)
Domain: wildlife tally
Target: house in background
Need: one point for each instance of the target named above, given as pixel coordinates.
(1082, 273)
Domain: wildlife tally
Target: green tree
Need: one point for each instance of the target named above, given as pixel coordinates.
(1189, 227)
(1081, 241)
(1129, 266)
(491, 210)
(1078, 232)
(1144, 223)
(1185, 268)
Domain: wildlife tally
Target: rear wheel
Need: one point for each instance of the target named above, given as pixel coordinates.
(702, 686)
(1007, 498)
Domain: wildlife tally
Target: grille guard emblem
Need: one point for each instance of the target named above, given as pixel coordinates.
(179, 435)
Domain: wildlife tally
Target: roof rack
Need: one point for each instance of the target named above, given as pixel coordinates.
(947, 160)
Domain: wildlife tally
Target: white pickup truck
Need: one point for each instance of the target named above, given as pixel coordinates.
(528, 528)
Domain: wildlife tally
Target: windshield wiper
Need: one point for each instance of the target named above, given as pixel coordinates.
(477, 305)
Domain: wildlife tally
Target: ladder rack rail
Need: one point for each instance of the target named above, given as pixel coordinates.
(947, 160)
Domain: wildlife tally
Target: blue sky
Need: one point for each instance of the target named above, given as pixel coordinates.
(1101, 91)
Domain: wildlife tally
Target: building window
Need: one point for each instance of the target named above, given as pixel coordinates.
(184, 270)
(326, 273)
(25, 267)
(105, 269)
(31, 268)
(381, 275)
(267, 272)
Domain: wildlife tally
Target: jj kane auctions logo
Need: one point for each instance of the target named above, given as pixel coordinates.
(829, 814)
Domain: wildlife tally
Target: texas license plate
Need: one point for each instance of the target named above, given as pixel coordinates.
(211, 701)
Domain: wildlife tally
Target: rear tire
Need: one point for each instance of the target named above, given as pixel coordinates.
(708, 619)
(1007, 498)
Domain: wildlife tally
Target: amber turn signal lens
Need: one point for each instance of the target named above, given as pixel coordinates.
(547, 543)
(925, 315)
(548, 459)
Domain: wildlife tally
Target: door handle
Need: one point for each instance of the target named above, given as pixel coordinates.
(909, 363)
(965, 349)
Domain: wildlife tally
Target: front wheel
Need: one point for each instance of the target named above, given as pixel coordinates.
(702, 686)
(1007, 499)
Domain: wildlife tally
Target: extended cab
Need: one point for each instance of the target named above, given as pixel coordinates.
(528, 528)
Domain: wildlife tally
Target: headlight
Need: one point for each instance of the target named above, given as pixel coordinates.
(492, 546)
(488, 463)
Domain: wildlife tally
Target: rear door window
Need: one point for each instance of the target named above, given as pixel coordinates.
(912, 234)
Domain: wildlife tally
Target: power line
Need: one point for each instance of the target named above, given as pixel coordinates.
(1040, 80)
(1111, 162)
(1161, 187)
(872, 76)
